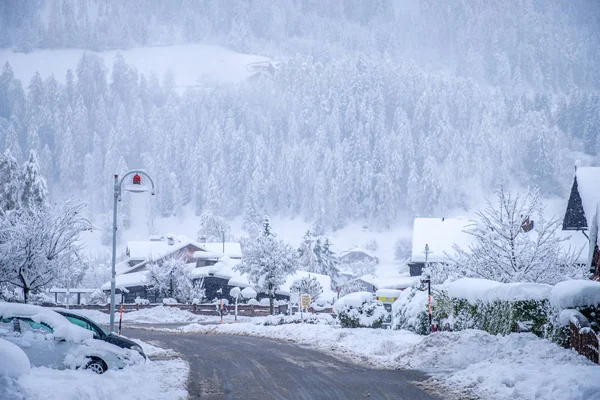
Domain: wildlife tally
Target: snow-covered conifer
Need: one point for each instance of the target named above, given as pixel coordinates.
(35, 190)
(10, 183)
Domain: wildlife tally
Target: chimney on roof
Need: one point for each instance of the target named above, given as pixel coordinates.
(170, 240)
(202, 239)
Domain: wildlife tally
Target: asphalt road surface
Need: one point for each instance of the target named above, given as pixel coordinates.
(242, 367)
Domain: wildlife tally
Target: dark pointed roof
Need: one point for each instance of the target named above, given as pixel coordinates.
(574, 216)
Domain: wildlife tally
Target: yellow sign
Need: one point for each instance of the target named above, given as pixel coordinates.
(305, 301)
(387, 299)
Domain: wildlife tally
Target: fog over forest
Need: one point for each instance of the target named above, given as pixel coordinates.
(376, 110)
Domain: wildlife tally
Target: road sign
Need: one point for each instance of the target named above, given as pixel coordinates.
(305, 301)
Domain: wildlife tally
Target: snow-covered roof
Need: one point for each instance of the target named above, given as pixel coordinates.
(157, 248)
(222, 269)
(441, 234)
(401, 281)
(358, 250)
(232, 249)
(207, 255)
(128, 280)
(588, 182)
(60, 325)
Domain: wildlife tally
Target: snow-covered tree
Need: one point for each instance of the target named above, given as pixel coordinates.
(352, 286)
(36, 245)
(514, 242)
(35, 190)
(326, 259)
(267, 262)
(213, 228)
(10, 183)
(307, 285)
(307, 259)
(173, 278)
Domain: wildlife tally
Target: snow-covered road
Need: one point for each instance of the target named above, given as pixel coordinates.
(237, 367)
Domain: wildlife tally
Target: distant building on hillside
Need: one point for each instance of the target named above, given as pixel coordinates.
(358, 255)
(440, 235)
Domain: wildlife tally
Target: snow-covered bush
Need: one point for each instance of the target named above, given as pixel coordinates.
(142, 302)
(372, 245)
(306, 318)
(97, 298)
(169, 300)
(410, 311)
(360, 310)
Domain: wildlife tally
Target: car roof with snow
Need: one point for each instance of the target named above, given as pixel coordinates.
(60, 325)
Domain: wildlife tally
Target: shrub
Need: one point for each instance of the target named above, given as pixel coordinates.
(410, 311)
(370, 314)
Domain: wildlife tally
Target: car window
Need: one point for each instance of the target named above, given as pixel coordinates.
(82, 323)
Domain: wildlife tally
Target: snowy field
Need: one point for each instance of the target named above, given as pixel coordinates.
(164, 379)
(466, 364)
(191, 64)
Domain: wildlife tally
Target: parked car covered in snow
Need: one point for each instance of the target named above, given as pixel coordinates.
(99, 333)
(51, 340)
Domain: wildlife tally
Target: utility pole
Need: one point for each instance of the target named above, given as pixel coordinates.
(428, 281)
(135, 187)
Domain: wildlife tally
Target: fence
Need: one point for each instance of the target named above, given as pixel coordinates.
(247, 310)
(585, 342)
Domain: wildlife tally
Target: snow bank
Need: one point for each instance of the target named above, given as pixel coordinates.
(575, 293)
(161, 380)
(165, 315)
(60, 325)
(13, 361)
(483, 290)
(517, 366)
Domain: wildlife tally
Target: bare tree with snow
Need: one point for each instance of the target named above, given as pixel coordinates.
(307, 285)
(213, 228)
(37, 244)
(514, 242)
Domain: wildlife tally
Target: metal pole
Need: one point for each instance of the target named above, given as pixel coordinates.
(114, 255)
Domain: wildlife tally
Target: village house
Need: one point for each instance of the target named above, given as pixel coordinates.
(132, 272)
(356, 254)
(581, 212)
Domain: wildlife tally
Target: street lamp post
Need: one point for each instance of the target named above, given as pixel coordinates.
(136, 187)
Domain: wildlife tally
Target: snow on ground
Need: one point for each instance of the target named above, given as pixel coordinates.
(155, 315)
(191, 64)
(164, 315)
(164, 379)
(466, 364)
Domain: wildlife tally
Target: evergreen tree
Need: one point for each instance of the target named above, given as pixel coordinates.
(35, 190)
(10, 183)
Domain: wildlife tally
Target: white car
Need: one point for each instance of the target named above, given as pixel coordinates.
(50, 340)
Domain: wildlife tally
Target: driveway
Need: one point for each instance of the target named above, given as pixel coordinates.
(242, 367)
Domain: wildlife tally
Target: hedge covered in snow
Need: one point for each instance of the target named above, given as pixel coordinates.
(499, 308)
